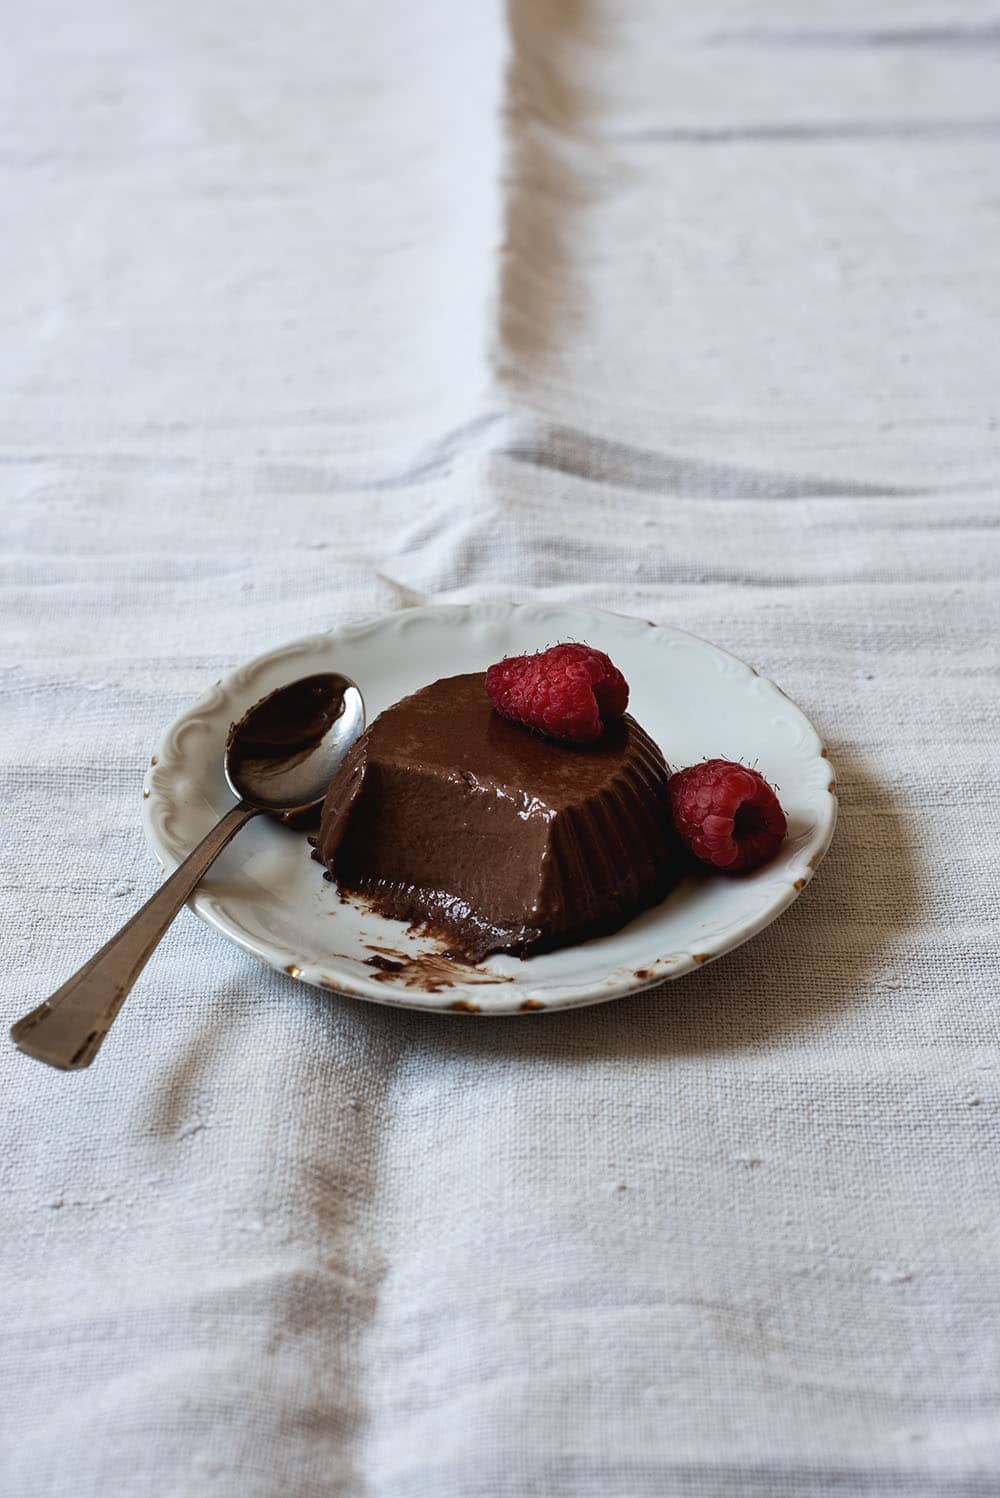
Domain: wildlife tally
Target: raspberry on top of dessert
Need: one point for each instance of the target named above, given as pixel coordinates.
(453, 818)
(568, 692)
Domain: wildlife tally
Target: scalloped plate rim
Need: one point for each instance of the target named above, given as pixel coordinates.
(469, 997)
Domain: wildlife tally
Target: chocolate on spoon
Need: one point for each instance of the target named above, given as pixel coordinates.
(280, 757)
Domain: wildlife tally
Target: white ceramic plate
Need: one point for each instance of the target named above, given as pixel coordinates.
(266, 894)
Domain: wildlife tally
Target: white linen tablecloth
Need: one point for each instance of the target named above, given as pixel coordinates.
(311, 311)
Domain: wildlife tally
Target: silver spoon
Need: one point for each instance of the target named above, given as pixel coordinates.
(280, 758)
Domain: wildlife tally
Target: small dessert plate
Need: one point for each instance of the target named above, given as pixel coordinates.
(269, 897)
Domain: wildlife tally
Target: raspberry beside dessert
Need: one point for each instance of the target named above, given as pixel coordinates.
(727, 815)
(569, 692)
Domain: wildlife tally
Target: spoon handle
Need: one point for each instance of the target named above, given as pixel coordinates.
(68, 1028)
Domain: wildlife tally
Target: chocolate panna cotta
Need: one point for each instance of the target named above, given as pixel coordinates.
(451, 818)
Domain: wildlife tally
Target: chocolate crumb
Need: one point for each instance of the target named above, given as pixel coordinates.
(384, 964)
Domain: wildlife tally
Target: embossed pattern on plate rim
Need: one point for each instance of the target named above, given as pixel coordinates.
(163, 812)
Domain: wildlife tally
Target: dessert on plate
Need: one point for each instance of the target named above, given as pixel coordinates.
(451, 817)
(523, 809)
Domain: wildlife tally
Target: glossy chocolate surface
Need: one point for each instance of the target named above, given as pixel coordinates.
(449, 817)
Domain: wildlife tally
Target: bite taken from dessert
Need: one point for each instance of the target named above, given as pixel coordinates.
(523, 808)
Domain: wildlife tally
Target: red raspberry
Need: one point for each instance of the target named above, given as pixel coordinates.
(568, 692)
(727, 815)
